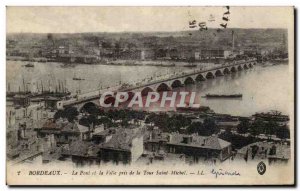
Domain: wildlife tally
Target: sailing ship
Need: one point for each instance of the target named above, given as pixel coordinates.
(59, 92)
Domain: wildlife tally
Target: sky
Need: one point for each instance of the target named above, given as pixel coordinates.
(138, 19)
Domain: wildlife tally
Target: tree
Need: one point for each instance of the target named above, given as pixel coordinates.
(209, 127)
(272, 150)
(194, 128)
(70, 113)
(92, 109)
(112, 114)
(59, 114)
(257, 127)
(124, 123)
(243, 127)
(283, 132)
(271, 127)
(106, 44)
(106, 122)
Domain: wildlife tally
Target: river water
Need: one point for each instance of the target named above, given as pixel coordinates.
(263, 88)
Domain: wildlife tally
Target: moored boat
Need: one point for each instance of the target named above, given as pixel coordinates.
(223, 95)
(29, 65)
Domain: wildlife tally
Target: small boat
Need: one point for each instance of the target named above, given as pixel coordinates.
(29, 65)
(223, 95)
(75, 78)
(193, 109)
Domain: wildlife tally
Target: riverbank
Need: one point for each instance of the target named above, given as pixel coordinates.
(20, 58)
(157, 63)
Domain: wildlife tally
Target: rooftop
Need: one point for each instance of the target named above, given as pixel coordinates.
(122, 139)
(282, 150)
(210, 142)
(82, 148)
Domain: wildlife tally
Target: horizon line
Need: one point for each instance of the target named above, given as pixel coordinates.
(141, 31)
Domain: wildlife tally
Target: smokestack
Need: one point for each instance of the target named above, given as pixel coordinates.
(232, 40)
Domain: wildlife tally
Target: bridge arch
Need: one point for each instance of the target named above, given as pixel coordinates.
(200, 77)
(245, 66)
(209, 75)
(163, 87)
(250, 65)
(233, 69)
(146, 90)
(176, 84)
(189, 80)
(218, 73)
(239, 68)
(226, 71)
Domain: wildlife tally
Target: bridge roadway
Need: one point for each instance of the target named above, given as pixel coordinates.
(94, 95)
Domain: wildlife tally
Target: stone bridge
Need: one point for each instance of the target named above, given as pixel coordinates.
(161, 85)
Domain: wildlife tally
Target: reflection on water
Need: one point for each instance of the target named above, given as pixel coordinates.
(263, 88)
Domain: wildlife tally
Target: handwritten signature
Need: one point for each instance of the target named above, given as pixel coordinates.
(221, 172)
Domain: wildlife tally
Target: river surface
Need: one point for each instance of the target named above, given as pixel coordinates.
(263, 88)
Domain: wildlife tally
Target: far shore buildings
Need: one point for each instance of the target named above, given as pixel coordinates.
(68, 52)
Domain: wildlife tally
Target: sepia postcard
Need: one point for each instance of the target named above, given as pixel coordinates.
(152, 96)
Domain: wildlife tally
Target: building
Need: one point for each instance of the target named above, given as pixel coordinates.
(156, 141)
(197, 56)
(51, 102)
(22, 145)
(264, 150)
(212, 53)
(228, 54)
(82, 153)
(64, 132)
(10, 116)
(21, 100)
(199, 147)
(147, 54)
(124, 146)
(193, 147)
(103, 136)
(186, 53)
